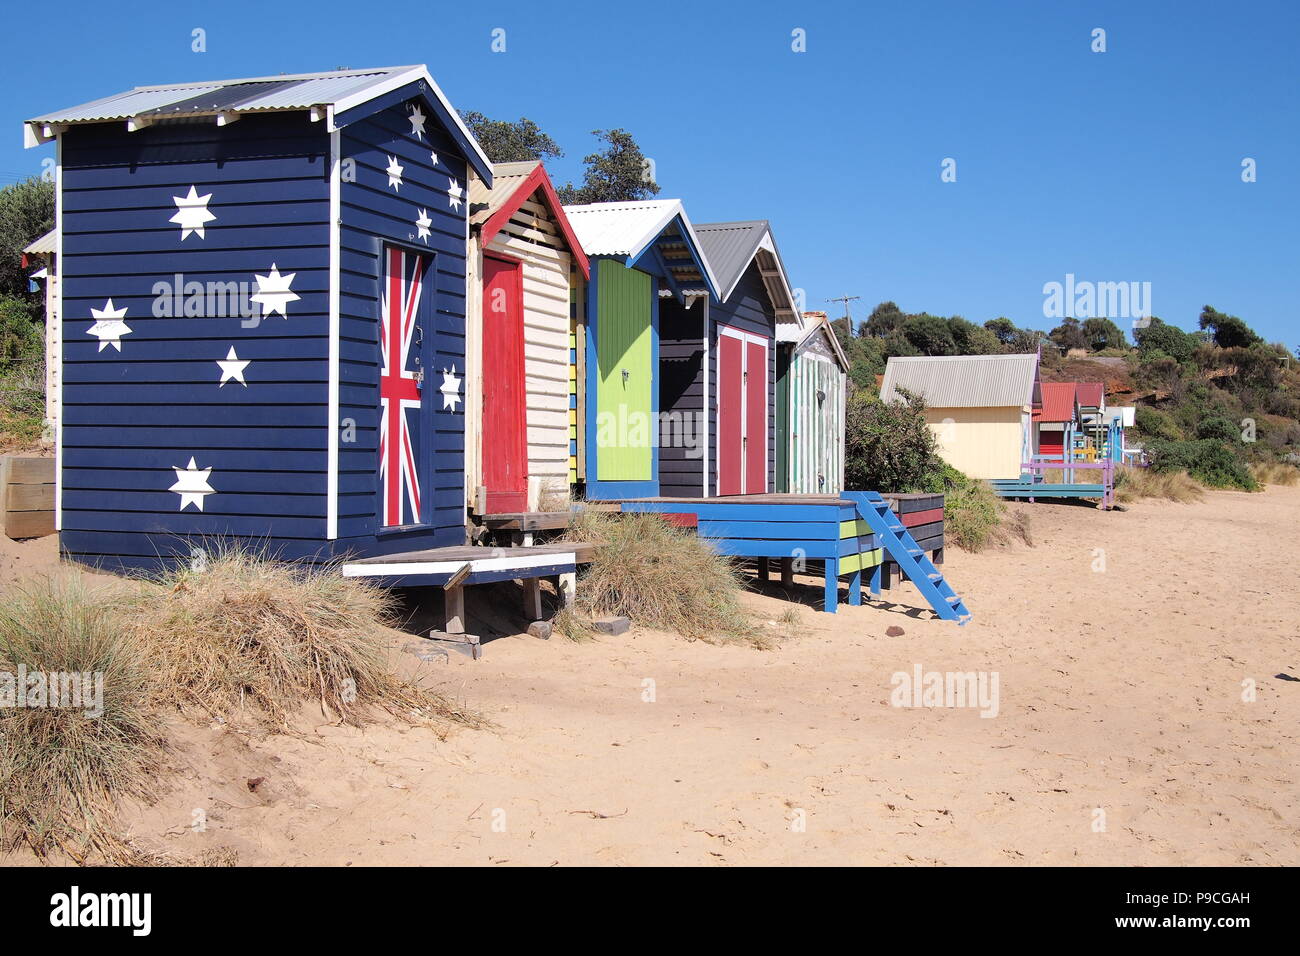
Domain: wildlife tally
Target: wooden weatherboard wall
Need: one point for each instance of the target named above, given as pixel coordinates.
(688, 365)
(374, 213)
(683, 438)
(816, 450)
(147, 398)
(185, 419)
(520, 220)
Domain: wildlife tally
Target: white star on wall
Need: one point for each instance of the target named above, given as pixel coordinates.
(394, 173)
(454, 193)
(109, 327)
(192, 485)
(232, 369)
(417, 122)
(450, 388)
(273, 292)
(433, 158)
(422, 224)
(192, 213)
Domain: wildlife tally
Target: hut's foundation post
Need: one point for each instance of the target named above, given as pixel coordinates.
(762, 570)
(454, 610)
(787, 572)
(855, 588)
(532, 599)
(567, 586)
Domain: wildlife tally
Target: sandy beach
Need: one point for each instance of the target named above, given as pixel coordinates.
(1120, 642)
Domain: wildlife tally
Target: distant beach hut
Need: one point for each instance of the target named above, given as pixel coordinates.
(979, 407)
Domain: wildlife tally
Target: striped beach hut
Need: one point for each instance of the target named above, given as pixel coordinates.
(718, 366)
(811, 389)
(526, 268)
(263, 299)
(644, 255)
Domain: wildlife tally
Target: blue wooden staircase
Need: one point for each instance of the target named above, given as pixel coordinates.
(899, 544)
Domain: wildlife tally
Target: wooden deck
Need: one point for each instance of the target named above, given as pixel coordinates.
(526, 520)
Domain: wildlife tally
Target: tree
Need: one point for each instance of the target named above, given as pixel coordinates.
(1160, 337)
(885, 318)
(26, 213)
(887, 447)
(619, 173)
(972, 339)
(1069, 335)
(1003, 328)
(929, 334)
(1103, 334)
(506, 142)
(1228, 331)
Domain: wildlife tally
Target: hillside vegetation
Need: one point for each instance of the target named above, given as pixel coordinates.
(1220, 403)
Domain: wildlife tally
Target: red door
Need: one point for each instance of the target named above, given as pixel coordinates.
(755, 416)
(742, 413)
(505, 437)
(731, 414)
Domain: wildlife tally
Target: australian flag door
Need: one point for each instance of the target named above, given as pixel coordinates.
(404, 433)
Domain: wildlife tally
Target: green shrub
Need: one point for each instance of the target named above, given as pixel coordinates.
(1218, 429)
(888, 446)
(1209, 461)
(1154, 423)
(21, 331)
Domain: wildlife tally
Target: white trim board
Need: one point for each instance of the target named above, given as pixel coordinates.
(476, 566)
(332, 439)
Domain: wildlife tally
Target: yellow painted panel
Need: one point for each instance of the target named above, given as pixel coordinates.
(854, 529)
(981, 442)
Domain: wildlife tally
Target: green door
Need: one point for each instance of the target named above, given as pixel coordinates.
(623, 386)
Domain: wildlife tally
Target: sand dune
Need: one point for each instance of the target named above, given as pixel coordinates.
(1121, 642)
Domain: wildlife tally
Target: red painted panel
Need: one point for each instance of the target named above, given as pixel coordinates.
(731, 398)
(505, 427)
(755, 418)
(1051, 443)
(687, 520)
(913, 518)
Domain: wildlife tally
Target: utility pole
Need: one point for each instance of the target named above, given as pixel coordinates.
(846, 299)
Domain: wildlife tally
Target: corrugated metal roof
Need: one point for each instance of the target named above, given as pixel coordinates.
(1091, 394)
(622, 228)
(506, 177)
(47, 244)
(964, 381)
(814, 324)
(732, 246)
(341, 89)
(1058, 403)
(298, 91)
(628, 228)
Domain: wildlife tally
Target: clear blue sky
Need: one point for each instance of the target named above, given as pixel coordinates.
(1115, 166)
